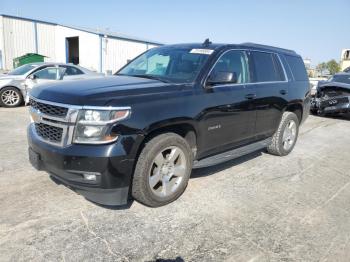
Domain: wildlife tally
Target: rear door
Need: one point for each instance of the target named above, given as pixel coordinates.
(229, 117)
(271, 87)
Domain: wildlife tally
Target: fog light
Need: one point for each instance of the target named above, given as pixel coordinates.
(90, 177)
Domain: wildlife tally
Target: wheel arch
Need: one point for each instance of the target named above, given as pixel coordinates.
(297, 109)
(184, 127)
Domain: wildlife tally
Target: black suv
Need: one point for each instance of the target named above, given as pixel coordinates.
(139, 133)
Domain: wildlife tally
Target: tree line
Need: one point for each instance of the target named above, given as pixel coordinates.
(332, 66)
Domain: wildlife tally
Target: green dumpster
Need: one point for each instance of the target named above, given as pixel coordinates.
(27, 58)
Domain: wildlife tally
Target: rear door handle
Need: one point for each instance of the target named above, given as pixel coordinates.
(283, 92)
(250, 96)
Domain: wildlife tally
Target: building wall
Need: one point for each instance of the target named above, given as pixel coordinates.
(345, 59)
(98, 53)
(2, 55)
(89, 47)
(19, 39)
(117, 52)
(46, 41)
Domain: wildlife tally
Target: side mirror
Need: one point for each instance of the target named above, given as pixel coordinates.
(32, 77)
(220, 78)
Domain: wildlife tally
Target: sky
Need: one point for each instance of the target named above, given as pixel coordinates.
(316, 29)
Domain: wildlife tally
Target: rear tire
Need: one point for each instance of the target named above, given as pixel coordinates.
(10, 97)
(285, 138)
(162, 170)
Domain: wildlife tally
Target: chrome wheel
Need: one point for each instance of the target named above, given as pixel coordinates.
(289, 135)
(167, 171)
(10, 97)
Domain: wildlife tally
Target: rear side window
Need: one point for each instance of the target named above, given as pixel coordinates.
(297, 66)
(71, 71)
(267, 67)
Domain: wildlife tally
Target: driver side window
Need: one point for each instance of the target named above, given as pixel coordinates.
(235, 62)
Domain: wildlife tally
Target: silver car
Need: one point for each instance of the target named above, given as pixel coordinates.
(16, 85)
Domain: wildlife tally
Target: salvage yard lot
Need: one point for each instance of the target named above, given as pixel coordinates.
(258, 208)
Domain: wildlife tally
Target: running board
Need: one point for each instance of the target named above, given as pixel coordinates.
(232, 154)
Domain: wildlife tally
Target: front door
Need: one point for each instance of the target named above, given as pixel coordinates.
(229, 117)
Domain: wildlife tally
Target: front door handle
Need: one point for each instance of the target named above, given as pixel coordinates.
(283, 92)
(250, 96)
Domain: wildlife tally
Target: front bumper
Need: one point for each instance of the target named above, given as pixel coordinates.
(112, 165)
(333, 105)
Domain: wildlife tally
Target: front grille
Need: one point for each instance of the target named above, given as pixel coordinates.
(335, 101)
(48, 109)
(50, 133)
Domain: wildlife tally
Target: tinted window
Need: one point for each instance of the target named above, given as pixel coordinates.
(235, 62)
(340, 79)
(71, 71)
(267, 67)
(297, 66)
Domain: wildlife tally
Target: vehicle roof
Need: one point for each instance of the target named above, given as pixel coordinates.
(49, 63)
(85, 70)
(254, 46)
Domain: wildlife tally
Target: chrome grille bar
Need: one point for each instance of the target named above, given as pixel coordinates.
(52, 118)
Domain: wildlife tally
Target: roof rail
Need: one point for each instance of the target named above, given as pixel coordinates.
(269, 47)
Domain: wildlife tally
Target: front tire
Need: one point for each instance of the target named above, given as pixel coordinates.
(10, 97)
(286, 135)
(162, 170)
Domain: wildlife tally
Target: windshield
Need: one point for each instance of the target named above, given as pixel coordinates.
(168, 64)
(22, 69)
(340, 79)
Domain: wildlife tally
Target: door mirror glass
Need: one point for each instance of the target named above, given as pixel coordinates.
(220, 78)
(32, 77)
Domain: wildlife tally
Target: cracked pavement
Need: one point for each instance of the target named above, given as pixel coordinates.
(255, 208)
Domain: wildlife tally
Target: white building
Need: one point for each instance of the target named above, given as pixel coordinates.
(98, 50)
(345, 59)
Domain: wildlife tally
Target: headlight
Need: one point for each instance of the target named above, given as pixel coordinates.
(95, 126)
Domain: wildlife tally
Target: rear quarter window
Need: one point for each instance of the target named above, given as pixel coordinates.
(267, 67)
(297, 67)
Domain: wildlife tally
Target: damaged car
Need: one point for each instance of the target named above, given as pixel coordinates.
(332, 96)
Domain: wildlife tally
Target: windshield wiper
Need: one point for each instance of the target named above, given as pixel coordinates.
(151, 77)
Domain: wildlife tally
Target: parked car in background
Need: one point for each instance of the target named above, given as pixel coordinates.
(314, 81)
(332, 96)
(347, 70)
(139, 133)
(15, 85)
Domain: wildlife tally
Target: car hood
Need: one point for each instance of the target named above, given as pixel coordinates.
(101, 91)
(11, 77)
(327, 84)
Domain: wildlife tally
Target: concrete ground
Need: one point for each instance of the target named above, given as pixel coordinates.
(256, 208)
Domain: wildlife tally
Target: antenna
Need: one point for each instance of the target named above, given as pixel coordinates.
(207, 42)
